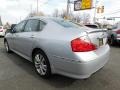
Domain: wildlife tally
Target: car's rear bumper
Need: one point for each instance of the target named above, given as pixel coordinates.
(2, 33)
(81, 70)
(118, 38)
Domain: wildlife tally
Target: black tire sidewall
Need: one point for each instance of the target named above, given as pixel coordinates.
(48, 72)
(7, 46)
(112, 41)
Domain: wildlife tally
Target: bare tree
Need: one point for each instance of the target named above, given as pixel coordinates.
(56, 13)
(7, 25)
(36, 14)
(86, 18)
(77, 18)
(63, 14)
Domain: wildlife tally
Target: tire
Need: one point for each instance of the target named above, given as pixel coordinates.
(41, 64)
(112, 41)
(7, 47)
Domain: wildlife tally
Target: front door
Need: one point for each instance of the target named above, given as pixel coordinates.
(25, 39)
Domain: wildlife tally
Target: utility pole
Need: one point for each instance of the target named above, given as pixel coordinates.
(68, 7)
(20, 18)
(31, 8)
(37, 7)
(94, 19)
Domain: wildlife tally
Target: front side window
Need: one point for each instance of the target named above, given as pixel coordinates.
(20, 26)
(32, 25)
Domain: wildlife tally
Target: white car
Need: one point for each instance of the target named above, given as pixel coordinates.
(2, 31)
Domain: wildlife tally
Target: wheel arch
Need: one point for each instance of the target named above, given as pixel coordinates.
(5, 39)
(38, 49)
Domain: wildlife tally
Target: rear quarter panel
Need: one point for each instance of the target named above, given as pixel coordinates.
(55, 40)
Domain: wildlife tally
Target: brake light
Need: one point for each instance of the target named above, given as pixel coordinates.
(118, 31)
(79, 45)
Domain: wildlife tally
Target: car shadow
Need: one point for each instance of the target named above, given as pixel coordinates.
(1, 36)
(116, 46)
(56, 81)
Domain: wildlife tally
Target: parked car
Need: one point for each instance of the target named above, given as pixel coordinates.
(56, 46)
(2, 31)
(114, 34)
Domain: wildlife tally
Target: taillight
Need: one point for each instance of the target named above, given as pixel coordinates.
(118, 31)
(79, 45)
(1, 30)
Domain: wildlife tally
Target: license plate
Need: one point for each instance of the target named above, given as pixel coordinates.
(100, 41)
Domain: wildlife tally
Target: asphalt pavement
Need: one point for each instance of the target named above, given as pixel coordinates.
(17, 73)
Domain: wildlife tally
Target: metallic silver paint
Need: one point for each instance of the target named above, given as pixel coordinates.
(55, 41)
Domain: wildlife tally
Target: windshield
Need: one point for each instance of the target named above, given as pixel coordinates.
(65, 23)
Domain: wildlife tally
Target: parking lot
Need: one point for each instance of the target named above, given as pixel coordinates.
(17, 73)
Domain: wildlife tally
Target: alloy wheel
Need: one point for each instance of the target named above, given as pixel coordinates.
(40, 64)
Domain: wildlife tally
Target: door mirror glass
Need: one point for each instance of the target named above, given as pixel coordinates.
(9, 30)
(13, 30)
(12, 26)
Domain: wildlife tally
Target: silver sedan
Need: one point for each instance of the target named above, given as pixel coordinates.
(56, 46)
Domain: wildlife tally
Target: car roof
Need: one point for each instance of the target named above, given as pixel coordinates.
(37, 17)
(44, 18)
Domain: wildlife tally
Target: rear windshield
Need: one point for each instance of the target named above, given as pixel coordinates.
(65, 23)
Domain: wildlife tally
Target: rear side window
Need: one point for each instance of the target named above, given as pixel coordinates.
(42, 25)
(32, 25)
(65, 24)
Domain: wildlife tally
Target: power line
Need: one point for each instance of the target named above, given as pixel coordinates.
(37, 7)
(116, 11)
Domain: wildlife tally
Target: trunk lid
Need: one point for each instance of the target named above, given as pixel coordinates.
(97, 36)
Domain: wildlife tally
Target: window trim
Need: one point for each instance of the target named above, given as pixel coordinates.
(39, 24)
(26, 21)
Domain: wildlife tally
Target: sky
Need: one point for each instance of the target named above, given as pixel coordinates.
(13, 11)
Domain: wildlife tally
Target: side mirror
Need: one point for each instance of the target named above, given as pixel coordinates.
(13, 30)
